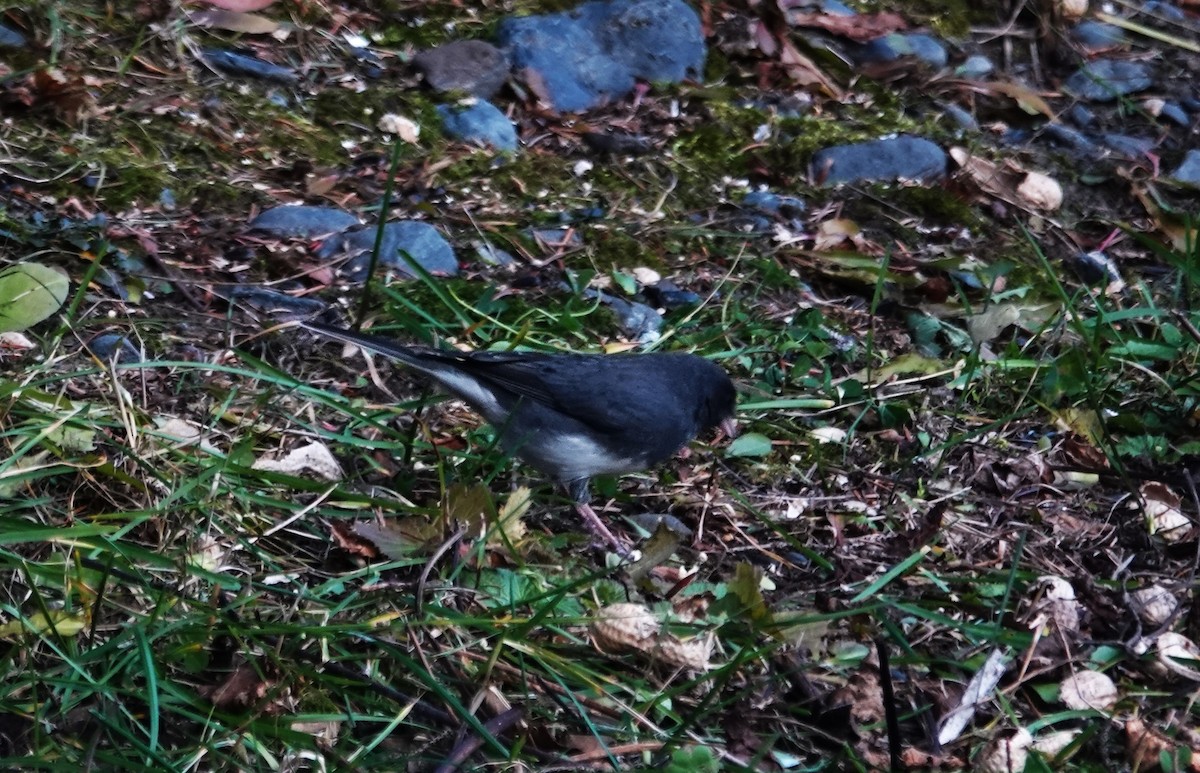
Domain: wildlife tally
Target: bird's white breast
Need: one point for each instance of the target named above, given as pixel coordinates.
(573, 456)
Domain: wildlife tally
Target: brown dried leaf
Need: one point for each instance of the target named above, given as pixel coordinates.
(805, 71)
(1028, 100)
(1161, 507)
(1009, 181)
(248, 23)
(1181, 232)
(350, 542)
(1077, 452)
(833, 233)
(860, 27)
(863, 694)
(66, 94)
(242, 689)
(1144, 745)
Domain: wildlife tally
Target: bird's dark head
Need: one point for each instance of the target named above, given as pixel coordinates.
(719, 401)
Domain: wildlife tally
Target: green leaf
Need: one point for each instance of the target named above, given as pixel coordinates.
(29, 293)
(626, 282)
(750, 444)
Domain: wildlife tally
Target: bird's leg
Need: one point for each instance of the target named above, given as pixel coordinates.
(597, 527)
(578, 489)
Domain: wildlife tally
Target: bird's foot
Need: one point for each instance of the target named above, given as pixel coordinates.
(602, 532)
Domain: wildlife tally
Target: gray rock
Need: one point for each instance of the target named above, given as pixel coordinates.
(1128, 146)
(492, 255)
(1106, 79)
(889, 48)
(636, 320)
(903, 157)
(556, 238)
(961, 116)
(234, 63)
(472, 66)
(1081, 115)
(666, 295)
(774, 204)
(481, 123)
(976, 66)
(412, 238)
(1165, 11)
(10, 38)
(1174, 112)
(594, 53)
(1097, 35)
(274, 302)
(303, 220)
(834, 8)
(109, 347)
(1189, 170)
(1072, 138)
(618, 143)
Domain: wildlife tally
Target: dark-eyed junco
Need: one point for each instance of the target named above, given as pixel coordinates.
(574, 416)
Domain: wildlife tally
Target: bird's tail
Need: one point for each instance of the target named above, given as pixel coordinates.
(412, 355)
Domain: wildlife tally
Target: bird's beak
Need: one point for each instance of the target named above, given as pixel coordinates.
(728, 427)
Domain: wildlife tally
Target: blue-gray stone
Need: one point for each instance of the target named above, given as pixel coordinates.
(491, 254)
(659, 40)
(481, 123)
(1175, 113)
(472, 66)
(1097, 34)
(961, 116)
(594, 53)
(976, 66)
(1106, 79)
(1189, 170)
(10, 38)
(1130, 147)
(274, 302)
(903, 157)
(109, 346)
(834, 8)
(1164, 11)
(1081, 115)
(666, 295)
(412, 238)
(1065, 135)
(636, 320)
(774, 204)
(303, 220)
(889, 48)
(233, 63)
(556, 237)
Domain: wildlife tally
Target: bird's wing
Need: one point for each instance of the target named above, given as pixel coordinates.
(516, 372)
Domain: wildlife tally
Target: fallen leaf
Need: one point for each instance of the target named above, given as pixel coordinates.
(234, 21)
(350, 542)
(241, 5)
(314, 457)
(859, 27)
(29, 293)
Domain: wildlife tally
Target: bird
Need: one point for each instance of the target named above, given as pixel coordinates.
(574, 416)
